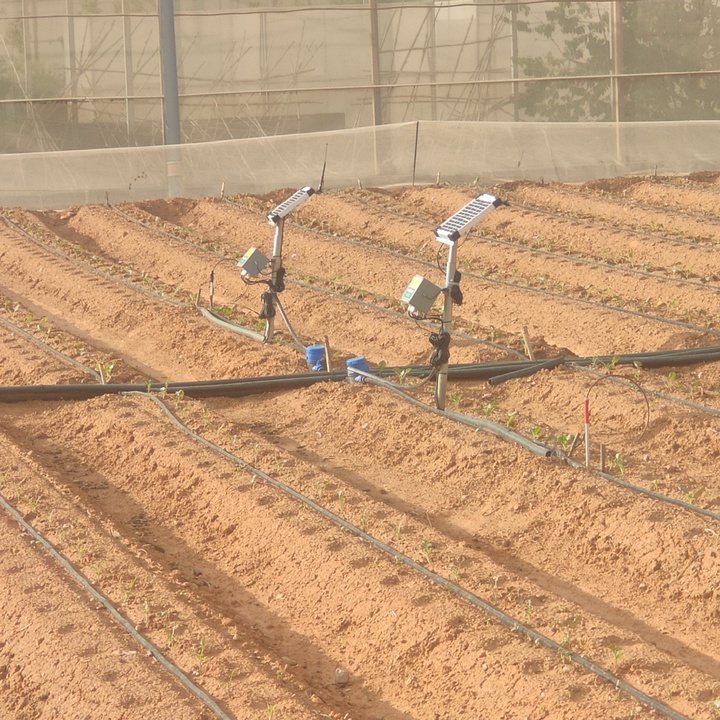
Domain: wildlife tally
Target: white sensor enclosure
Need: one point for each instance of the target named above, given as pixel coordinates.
(466, 218)
(284, 208)
(251, 264)
(420, 295)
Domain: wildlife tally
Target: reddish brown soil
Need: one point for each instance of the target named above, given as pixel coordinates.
(277, 611)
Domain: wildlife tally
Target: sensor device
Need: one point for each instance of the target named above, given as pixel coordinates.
(420, 295)
(290, 204)
(251, 264)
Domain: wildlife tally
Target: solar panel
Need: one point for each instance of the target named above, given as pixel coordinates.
(291, 203)
(466, 218)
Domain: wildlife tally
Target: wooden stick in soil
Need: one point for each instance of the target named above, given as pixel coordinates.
(327, 353)
(528, 345)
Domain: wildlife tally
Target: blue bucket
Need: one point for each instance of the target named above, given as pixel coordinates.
(356, 363)
(315, 356)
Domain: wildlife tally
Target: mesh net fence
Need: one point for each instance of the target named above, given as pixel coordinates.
(404, 153)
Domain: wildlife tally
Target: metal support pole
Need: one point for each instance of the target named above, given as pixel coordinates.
(617, 69)
(446, 326)
(514, 61)
(432, 60)
(24, 11)
(72, 72)
(171, 101)
(129, 76)
(375, 63)
(586, 417)
(275, 265)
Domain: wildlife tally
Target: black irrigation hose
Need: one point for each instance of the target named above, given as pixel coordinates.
(524, 372)
(507, 620)
(48, 348)
(476, 423)
(229, 325)
(87, 266)
(642, 490)
(115, 614)
(704, 217)
(239, 387)
(248, 386)
(579, 219)
(579, 258)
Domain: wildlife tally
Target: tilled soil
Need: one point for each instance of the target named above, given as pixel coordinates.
(335, 549)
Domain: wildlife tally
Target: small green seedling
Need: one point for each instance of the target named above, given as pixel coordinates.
(199, 651)
(105, 368)
(617, 652)
(691, 496)
(402, 374)
(487, 408)
(618, 462)
(170, 631)
(129, 589)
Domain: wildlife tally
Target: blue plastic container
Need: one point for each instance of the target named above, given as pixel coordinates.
(315, 356)
(356, 363)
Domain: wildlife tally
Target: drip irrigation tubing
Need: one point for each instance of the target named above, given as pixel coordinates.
(708, 247)
(642, 490)
(81, 580)
(65, 358)
(515, 625)
(493, 239)
(535, 447)
(704, 217)
(90, 268)
(238, 387)
(248, 386)
(476, 423)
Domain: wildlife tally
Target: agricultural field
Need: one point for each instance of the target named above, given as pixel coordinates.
(346, 550)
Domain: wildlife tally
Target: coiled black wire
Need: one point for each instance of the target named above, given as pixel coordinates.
(441, 354)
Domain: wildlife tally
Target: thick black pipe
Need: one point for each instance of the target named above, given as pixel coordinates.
(240, 387)
(524, 372)
(221, 388)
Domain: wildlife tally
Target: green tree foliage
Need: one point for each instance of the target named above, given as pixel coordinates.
(580, 45)
(656, 36)
(667, 36)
